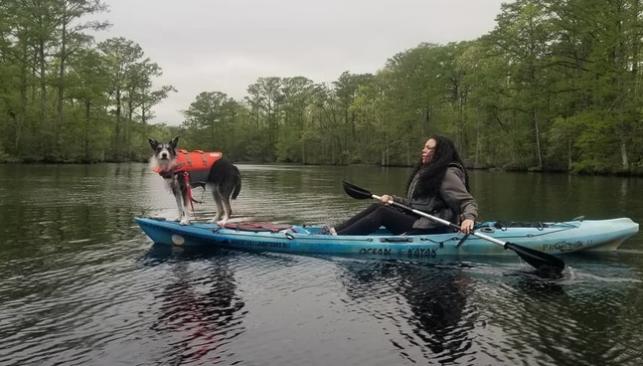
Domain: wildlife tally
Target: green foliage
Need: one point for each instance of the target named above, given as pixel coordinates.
(555, 85)
(63, 99)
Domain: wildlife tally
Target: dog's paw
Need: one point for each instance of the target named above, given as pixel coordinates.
(184, 221)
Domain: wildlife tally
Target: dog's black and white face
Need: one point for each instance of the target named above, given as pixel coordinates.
(164, 154)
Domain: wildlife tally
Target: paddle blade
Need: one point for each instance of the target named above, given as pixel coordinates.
(543, 262)
(355, 191)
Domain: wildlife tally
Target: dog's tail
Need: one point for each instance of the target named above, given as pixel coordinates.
(237, 185)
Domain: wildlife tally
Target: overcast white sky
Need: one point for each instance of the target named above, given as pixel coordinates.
(225, 45)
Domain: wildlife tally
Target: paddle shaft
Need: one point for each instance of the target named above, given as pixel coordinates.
(443, 221)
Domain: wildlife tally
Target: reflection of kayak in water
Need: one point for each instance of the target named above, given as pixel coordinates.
(555, 238)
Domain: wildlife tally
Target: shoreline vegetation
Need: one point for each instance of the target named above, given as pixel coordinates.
(554, 87)
(632, 174)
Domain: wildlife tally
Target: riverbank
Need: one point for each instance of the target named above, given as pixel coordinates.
(636, 171)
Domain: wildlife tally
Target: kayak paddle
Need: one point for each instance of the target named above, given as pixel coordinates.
(544, 262)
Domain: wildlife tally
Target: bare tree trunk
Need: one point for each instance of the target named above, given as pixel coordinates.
(539, 153)
(86, 132)
(385, 155)
(461, 122)
(20, 120)
(570, 162)
(17, 130)
(625, 164)
(128, 125)
(61, 84)
(476, 160)
(426, 119)
(303, 152)
(143, 115)
(117, 132)
(43, 98)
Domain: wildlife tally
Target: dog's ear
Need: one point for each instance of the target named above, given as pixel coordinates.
(174, 142)
(153, 143)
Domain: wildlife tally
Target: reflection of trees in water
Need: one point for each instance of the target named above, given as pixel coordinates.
(439, 319)
(201, 311)
(589, 317)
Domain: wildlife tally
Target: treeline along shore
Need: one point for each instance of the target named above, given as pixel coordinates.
(555, 86)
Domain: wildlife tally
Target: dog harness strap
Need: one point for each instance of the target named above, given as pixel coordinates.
(188, 188)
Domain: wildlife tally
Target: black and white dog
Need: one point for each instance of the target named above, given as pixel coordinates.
(184, 170)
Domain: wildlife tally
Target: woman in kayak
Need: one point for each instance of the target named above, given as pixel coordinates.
(438, 185)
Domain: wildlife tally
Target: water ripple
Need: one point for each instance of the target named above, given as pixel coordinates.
(82, 285)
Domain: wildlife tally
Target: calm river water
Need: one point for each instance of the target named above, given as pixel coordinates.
(80, 284)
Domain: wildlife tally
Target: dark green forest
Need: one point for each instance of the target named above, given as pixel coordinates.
(554, 86)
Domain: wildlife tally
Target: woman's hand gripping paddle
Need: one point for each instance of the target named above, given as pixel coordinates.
(543, 262)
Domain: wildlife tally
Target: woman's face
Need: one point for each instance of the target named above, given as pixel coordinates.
(429, 150)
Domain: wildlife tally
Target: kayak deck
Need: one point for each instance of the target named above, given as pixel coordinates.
(553, 238)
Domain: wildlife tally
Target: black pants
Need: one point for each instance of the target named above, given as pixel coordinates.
(376, 215)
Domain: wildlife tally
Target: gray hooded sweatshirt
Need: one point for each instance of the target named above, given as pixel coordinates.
(453, 203)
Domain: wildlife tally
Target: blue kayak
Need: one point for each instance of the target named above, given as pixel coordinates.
(553, 237)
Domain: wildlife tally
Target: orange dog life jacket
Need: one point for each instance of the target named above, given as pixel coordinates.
(193, 161)
(189, 161)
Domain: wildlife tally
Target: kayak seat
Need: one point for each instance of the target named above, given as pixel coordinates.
(257, 226)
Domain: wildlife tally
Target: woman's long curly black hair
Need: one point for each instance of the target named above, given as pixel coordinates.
(432, 174)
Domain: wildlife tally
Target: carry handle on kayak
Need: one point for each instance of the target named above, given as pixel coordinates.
(545, 263)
